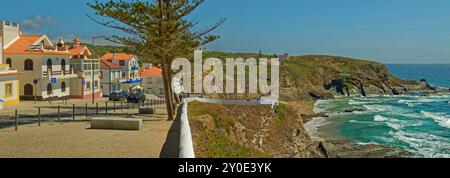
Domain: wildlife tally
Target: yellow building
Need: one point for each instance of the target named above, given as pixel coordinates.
(45, 66)
(9, 86)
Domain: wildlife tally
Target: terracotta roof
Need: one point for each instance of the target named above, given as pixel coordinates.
(150, 72)
(81, 49)
(21, 46)
(108, 65)
(117, 56)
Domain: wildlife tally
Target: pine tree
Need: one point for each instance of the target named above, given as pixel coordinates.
(156, 30)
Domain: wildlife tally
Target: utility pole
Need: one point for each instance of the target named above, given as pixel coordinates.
(93, 81)
(92, 66)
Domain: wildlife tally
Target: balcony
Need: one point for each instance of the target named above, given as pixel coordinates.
(64, 74)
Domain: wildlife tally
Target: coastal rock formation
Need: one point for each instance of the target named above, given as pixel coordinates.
(325, 77)
(224, 131)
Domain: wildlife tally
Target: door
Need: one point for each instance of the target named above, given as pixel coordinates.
(28, 90)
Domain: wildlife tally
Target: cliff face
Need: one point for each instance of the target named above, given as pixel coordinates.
(324, 77)
(228, 131)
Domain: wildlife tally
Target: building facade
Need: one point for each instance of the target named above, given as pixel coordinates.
(129, 65)
(152, 81)
(87, 83)
(45, 67)
(9, 86)
(111, 77)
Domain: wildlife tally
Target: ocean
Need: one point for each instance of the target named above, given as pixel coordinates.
(419, 124)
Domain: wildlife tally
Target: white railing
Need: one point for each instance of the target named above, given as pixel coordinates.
(186, 149)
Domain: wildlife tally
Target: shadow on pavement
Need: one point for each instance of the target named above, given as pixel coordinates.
(172, 144)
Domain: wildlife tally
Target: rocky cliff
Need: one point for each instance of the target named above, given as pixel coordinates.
(232, 131)
(324, 77)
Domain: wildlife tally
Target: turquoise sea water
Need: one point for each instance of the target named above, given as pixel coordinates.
(416, 123)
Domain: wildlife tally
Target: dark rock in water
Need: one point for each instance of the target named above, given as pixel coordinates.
(322, 150)
(423, 80)
(347, 149)
(429, 87)
(395, 92)
(353, 110)
(318, 96)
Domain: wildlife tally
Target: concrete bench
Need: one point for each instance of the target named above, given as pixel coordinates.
(116, 123)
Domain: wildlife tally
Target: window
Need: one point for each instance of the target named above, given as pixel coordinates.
(63, 66)
(28, 90)
(49, 89)
(96, 84)
(123, 74)
(28, 64)
(122, 63)
(150, 80)
(49, 64)
(88, 85)
(9, 62)
(8, 89)
(63, 86)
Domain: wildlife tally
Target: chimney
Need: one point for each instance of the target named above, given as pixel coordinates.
(61, 46)
(113, 55)
(76, 43)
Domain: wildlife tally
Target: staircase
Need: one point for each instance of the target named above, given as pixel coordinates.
(264, 130)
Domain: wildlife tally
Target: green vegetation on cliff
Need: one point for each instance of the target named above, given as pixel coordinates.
(234, 131)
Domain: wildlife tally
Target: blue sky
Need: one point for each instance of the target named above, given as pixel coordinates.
(389, 31)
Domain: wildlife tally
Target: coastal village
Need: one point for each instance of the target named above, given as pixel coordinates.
(35, 68)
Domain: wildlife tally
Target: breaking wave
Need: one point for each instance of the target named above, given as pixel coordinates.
(440, 118)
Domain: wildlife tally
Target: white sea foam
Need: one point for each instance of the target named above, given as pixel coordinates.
(318, 106)
(424, 144)
(440, 118)
(359, 122)
(377, 108)
(421, 100)
(312, 127)
(395, 124)
(379, 118)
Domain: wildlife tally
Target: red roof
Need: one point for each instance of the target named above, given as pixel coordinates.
(108, 65)
(21, 46)
(80, 50)
(150, 72)
(117, 56)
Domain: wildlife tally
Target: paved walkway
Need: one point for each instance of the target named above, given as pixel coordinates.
(76, 140)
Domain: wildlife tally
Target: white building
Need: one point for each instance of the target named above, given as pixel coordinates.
(129, 65)
(111, 77)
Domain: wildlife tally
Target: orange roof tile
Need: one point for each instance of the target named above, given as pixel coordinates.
(117, 56)
(81, 49)
(108, 65)
(150, 72)
(21, 46)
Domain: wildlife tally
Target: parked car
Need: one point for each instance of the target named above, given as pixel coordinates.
(118, 96)
(136, 98)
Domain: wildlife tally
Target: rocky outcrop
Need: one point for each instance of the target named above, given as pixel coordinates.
(325, 77)
(223, 131)
(347, 149)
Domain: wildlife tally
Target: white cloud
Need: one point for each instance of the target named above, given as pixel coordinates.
(38, 20)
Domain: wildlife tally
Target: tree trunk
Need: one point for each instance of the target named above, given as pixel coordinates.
(167, 88)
